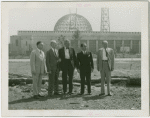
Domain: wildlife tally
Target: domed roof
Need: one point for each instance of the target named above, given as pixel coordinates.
(72, 22)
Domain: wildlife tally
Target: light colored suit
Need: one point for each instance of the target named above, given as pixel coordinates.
(37, 63)
(110, 59)
(105, 68)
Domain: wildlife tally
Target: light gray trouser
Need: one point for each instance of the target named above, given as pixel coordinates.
(105, 73)
(53, 82)
(37, 81)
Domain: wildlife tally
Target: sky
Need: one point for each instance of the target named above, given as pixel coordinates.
(44, 19)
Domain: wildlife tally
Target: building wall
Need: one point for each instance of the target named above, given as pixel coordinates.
(15, 45)
(25, 44)
(116, 40)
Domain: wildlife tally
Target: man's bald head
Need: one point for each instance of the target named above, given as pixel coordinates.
(53, 43)
(67, 43)
(105, 44)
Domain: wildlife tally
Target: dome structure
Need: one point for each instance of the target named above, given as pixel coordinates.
(72, 22)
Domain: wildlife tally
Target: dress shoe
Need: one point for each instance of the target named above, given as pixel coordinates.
(50, 94)
(101, 94)
(80, 93)
(64, 93)
(36, 97)
(40, 95)
(110, 94)
(70, 93)
(56, 93)
(89, 94)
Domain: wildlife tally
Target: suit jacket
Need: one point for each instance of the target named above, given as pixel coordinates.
(51, 60)
(72, 54)
(85, 61)
(37, 62)
(110, 59)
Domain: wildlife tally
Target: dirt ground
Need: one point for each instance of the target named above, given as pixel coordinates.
(124, 97)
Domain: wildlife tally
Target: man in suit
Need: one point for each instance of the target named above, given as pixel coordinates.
(52, 63)
(67, 64)
(85, 67)
(105, 64)
(38, 68)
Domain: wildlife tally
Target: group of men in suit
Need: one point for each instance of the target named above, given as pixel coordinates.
(66, 60)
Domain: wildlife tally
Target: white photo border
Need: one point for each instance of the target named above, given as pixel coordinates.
(7, 6)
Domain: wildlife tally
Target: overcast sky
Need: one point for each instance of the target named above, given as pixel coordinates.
(44, 19)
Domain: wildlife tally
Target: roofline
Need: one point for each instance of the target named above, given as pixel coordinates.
(74, 31)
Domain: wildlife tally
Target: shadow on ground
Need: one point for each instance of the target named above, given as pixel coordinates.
(87, 98)
(31, 99)
(62, 97)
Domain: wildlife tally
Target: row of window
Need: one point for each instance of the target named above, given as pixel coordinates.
(100, 42)
(17, 43)
(84, 31)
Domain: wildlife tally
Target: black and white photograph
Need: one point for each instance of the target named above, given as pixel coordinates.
(75, 56)
(149, 48)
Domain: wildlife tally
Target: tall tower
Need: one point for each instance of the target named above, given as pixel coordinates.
(105, 24)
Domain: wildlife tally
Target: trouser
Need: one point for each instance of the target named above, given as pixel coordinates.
(53, 81)
(37, 81)
(85, 75)
(105, 73)
(67, 71)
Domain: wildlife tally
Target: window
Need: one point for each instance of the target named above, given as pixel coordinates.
(16, 42)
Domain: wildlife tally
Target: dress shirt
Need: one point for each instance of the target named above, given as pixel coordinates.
(104, 54)
(84, 52)
(55, 51)
(41, 54)
(67, 55)
(39, 51)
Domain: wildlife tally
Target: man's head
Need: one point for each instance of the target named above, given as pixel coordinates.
(39, 45)
(83, 46)
(105, 44)
(66, 43)
(53, 44)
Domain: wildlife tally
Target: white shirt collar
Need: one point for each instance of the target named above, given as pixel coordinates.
(52, 48)
(39, 50)
(104, 48)
(65, 48)
(84, 51)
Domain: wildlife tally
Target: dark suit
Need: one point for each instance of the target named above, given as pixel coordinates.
(85, 64)
(53, 66)
(67, 66)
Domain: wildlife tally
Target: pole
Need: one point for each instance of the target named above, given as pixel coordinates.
(76, 19)
(70, 19)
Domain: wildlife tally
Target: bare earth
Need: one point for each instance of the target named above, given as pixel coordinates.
(124, 97)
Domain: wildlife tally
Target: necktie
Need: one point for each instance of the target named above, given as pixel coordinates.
(84, 52)
(55, 52)
(106, 52)
(40, 52)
